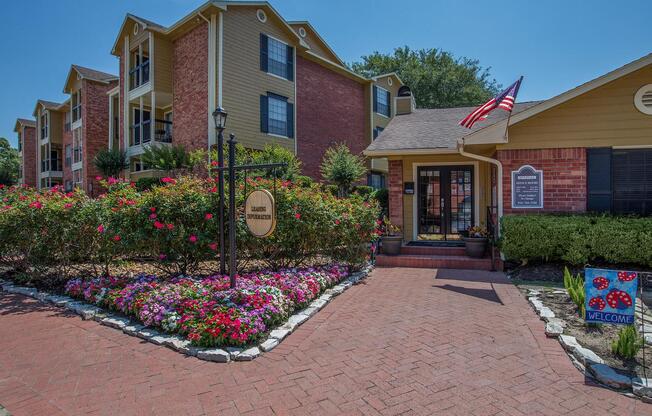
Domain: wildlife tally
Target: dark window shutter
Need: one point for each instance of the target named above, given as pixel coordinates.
(632, 181)
(375, 133)
(264, 117)
(290, 63)
(290, 119)
(389, 104)
(263, 52)
(598, 172)
(375, 92)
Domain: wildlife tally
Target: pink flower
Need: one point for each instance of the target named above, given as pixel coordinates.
(158, 225)
(297, 215)
(100, 228)
(36, 204)
(68, 206)
(152, 216)
(112, 181)
(192, 238)
(152, 209)
(213, 246)
(170, 226)
(168, 180)
(214, 163)
(98, 178)
(162, 256)
(337, 222)
(116, 238)
(208, 216)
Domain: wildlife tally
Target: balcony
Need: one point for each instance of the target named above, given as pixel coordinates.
(51, 168)
(139, 75)
(162, 132)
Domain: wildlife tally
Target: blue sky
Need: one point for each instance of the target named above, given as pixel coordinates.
(555, 44)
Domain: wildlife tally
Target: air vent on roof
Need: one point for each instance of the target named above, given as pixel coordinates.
(302, 32)
(643, 99)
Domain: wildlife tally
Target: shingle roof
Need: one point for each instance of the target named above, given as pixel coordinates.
(433, 128)
(94, 74)
(50, 105)
(26, 122)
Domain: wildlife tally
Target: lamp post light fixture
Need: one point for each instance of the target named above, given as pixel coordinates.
(219, 116)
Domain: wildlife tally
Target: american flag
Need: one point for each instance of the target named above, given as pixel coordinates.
(504, 100)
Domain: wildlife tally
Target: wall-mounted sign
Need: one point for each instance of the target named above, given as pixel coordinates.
(408, 188)
(610, 296)
(260, 213)
(527, 188)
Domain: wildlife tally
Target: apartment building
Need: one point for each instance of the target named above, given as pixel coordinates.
(26, 138)
(50, 121)
(279, 81)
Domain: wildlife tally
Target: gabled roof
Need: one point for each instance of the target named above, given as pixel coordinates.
(48, 105)
(24, 122)
(87, 73)
(430, 130)
(488, 133)
(389, 74)
(296, 24)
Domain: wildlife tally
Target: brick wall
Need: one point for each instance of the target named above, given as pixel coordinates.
(121, 104)
(564, 177)
(95, 129)
(330, 108)
(66, 140)
(30, 162)
(191, 89)
(395, 186)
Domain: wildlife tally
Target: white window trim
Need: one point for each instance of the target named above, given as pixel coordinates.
(286, 45)
(388, 104)
(278, 135)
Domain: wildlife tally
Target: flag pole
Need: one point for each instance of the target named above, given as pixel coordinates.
(509, 116)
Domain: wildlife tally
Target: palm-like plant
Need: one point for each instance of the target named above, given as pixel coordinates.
(167, 158)
(342, 168)
(111, 162)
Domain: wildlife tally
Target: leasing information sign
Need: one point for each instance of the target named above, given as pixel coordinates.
(610, 296)
(260, 213)
(527, 187)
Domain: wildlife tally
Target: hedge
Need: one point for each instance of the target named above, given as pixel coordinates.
(577, 239)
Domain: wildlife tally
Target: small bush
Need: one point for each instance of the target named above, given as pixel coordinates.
(575, 287)
(382, 196)
(145, 184)
(577, 239)
(627, 344)
(342, 168)
(111, 162)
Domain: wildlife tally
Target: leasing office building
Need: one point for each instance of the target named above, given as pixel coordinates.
(588, 149)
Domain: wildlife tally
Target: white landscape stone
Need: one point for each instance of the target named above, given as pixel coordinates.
(115, 322)
(147, 333)
(58, 300)
(608, 376)
(318, 303)
(642, 387)
(554, 328)
(87, 311)
(233, 351)
(326, 297)
(132, 329)
(298, 319)
(309, 311)
(279, 334)
(546, 313)
(269, 344)
(215, 354)
(248, 354)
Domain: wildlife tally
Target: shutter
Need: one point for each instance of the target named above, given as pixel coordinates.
(263, 52)
(290, 120)
(632, 181)
(375, 133)
(264, 117)
(375, 99)
(290, 63)
(389, 104)
(598, 172)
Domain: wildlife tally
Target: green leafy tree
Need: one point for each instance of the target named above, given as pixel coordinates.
(342, 168)
(437, 78)
(276, 154)
(9, 163)
(111, 162)
(169, 159)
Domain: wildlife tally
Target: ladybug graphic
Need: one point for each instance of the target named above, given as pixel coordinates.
(618, 299)
(601, 282)
(597, 303)
(626, 276)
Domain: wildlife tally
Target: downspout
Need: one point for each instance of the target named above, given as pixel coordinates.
(499, 178)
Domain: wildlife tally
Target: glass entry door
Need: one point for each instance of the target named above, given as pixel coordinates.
(444, 201)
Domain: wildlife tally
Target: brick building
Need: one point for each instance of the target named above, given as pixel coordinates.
(588, 149)
(25, 130)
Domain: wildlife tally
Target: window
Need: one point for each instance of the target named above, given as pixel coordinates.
(77, 177)
(276, 115)
(76, 105)
(276, 57)
(67, 117)
(68, 155)
(44, 125)
(382, 100)
(77, 145)
(377, 132)
(376, 180)
(20, 142)
(141, 129)
(619, 181)
(139, 62)
(140, 166)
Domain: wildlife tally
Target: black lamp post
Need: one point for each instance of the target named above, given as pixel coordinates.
(219, 115)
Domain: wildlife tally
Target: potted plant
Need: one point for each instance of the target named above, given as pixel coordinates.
(391, 238)
(475, 242)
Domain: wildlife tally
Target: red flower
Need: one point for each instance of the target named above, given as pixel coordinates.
(152, 216)
(100, 228)
(116, 238)
(170, 226)
(36, 204)
(208, 216)
(337, 222)
(214, 163)
(192, 238)
(213, 189)
(158, 225)
(67, 206)
(152, 209)
(98, 178)
(213, 246)
(168, 180)
(297, 215)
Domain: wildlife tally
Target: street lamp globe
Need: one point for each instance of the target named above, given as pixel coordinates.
(219, 116)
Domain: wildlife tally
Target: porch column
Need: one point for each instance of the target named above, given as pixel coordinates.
(396, 192)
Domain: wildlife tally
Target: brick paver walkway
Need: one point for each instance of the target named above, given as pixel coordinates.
(465, 343)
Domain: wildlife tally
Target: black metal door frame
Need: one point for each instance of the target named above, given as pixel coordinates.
(445, 196)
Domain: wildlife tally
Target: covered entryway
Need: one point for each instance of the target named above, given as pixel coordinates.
(445, 201)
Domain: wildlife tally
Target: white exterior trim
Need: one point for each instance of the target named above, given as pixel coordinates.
(212, 74)
(415, 196)
(220, 57)
(409, 152)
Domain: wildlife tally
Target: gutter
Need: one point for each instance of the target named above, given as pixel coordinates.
(499, 177)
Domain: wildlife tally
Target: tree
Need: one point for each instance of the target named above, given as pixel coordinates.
(9, 163)
(342, 168)
(276, 154)
(437, 78)
(111, 162)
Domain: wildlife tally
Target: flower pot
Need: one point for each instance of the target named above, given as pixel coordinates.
(475, 246)
(391, 244)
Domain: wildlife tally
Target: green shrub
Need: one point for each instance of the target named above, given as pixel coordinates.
(276, 154)
(575, 287)
(147, 183)
(628, 343)
(577, 239)
(111, 162)
(304, 181)
(362, 190)
(382, 196)
(342, 168)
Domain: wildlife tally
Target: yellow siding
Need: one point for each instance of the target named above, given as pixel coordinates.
(482, 192)
(605, 116)
(163, 64)
(244, 82)
(135, 40)
(316, 46)
(56, 126)
(378, 119)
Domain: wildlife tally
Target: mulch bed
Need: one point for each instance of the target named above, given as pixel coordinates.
(554, 272)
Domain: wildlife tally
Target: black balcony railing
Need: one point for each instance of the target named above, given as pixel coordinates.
(139, 75)
(162, 132)
(50, 165)
(76, 155)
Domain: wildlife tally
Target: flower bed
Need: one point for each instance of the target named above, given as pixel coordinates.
(207, 312)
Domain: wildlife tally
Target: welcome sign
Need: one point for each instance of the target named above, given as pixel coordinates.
(610, 296)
